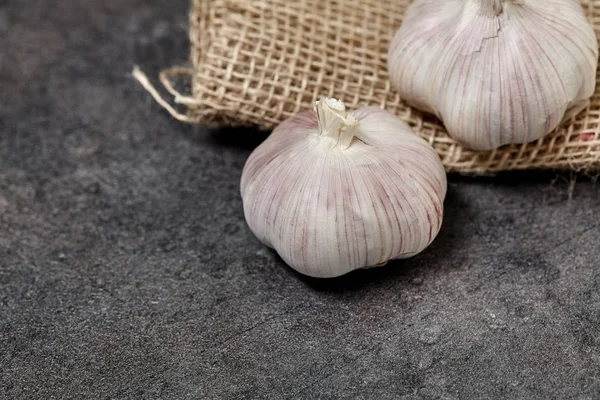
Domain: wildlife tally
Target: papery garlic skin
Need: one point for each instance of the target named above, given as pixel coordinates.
(339, 192)
(495, 71)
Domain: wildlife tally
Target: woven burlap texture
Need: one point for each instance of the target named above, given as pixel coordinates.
(258, 62)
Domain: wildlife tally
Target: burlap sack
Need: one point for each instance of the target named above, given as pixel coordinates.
(257, 62)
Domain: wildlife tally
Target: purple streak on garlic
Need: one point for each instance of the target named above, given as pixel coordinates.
(495, 71)
(333, 191)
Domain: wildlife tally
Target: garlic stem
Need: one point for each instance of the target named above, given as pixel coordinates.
(495, 7)
(335, 123)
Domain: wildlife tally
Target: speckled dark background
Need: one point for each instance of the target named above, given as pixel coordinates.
(127, 270)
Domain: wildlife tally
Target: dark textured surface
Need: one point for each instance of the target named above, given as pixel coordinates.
(127, 270)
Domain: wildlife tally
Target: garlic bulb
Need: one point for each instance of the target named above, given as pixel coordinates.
(333, 192)
(495, 71)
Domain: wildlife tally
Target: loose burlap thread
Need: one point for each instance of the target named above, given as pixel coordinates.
(258, 62)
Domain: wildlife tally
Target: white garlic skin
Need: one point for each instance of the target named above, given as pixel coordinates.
(495, 71)
(328, 210)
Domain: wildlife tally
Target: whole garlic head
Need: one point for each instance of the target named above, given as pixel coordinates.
(333, 191)
(495, 71)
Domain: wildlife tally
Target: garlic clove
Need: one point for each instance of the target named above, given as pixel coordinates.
(495, 71)
(333, 191)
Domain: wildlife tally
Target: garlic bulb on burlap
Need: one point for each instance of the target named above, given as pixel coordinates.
(495, 71)
(333, 191)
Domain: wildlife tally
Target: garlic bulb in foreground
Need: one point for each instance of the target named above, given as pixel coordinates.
(495, 71)
(333, 192)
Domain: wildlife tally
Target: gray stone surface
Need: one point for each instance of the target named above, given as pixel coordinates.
(127, 270)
